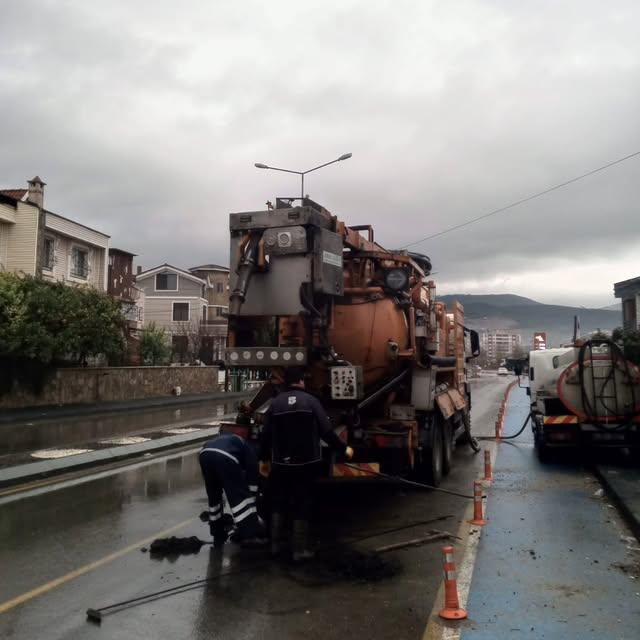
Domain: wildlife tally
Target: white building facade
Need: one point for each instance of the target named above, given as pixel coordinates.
(497, 344)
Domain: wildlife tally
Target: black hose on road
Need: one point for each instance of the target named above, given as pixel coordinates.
(511, 437)
(412, 483)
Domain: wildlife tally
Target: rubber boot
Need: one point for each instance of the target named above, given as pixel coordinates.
(219, 534)
(301, 547)
(277, 534)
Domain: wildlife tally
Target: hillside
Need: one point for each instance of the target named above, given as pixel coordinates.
(524, 316)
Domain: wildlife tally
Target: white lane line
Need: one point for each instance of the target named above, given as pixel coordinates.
(438, 629)
(465, 574)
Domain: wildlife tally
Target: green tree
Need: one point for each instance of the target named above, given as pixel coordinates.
(43, 324)
(629, 341)
(154, 346)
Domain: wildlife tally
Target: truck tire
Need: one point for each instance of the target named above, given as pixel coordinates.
(432, 456)
(465, 436)
(447, 447)
(542, 451)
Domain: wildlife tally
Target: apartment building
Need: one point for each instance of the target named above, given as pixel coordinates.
(121, 285)
(497, 344)
(217, 294)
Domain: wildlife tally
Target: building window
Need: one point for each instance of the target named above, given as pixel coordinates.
(79, 263)
(219, 311)
(166, 282)
(219, 287)
(49, 253)
(181, 312)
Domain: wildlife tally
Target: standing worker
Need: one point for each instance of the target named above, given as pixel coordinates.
(290, 452)
(229, 463)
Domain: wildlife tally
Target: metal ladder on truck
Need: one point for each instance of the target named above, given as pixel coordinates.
(604, 396)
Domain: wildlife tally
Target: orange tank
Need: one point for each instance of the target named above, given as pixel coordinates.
(360, 333)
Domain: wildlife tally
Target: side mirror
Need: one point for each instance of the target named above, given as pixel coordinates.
(529, 391)
(474, 342)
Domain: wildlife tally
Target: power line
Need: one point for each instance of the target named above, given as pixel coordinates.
(518, 202)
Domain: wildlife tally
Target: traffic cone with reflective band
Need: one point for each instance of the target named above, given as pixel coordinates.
(452, 609)
(478, 519)
(498, 430)
(488, 472)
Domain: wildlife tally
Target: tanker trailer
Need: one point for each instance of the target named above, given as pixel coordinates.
(584, 395)
(385, 358)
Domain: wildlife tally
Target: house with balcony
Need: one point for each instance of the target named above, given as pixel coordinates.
(174, 299)
(121, 285)
(216, 325)
(629, 293)
(39, 242)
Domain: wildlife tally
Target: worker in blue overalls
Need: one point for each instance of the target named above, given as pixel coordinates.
(229, 464)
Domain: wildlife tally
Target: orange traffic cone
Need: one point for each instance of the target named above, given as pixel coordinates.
(478, 520)
(488, 473)
(498, 430)
(452, 609)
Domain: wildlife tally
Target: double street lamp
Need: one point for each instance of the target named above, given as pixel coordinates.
(344, 156)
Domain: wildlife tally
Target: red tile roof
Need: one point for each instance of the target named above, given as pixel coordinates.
(16, 194)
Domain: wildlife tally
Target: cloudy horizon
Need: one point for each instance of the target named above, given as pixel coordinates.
(146, 121)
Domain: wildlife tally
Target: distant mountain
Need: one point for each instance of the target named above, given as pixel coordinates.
(524, 316)
(495, 299)
(613, 307)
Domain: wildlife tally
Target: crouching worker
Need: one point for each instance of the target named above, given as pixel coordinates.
(229, 464)
(290, 453)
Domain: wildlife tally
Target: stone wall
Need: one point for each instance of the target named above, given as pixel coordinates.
(114, 384)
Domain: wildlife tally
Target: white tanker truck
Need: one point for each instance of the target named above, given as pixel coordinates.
(586, 394)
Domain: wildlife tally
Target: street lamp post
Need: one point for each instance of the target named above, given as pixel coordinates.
(344, 156)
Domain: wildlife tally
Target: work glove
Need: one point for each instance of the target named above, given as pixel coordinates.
(348, 453)
(264, 469)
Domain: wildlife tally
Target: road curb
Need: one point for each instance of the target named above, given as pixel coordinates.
(617, 495)
(38, 470)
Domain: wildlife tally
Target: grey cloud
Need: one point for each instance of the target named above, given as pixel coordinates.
(145, 119)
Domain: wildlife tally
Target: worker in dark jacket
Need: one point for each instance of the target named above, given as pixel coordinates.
(229, 463)
(290, 451)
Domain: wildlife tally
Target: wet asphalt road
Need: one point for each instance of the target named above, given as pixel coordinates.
(26, 435)
(52, 532)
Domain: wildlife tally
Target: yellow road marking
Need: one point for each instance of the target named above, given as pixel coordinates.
(14, 602)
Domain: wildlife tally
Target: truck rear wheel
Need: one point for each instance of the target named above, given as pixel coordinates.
(432, 456)
(542, 450)
(447, 447)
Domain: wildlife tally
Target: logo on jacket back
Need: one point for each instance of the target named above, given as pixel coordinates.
(292, 400)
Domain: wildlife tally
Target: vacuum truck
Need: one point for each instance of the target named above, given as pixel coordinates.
(385, 358)
(584, 395)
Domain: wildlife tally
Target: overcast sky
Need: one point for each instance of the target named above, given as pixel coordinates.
(145, 119)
